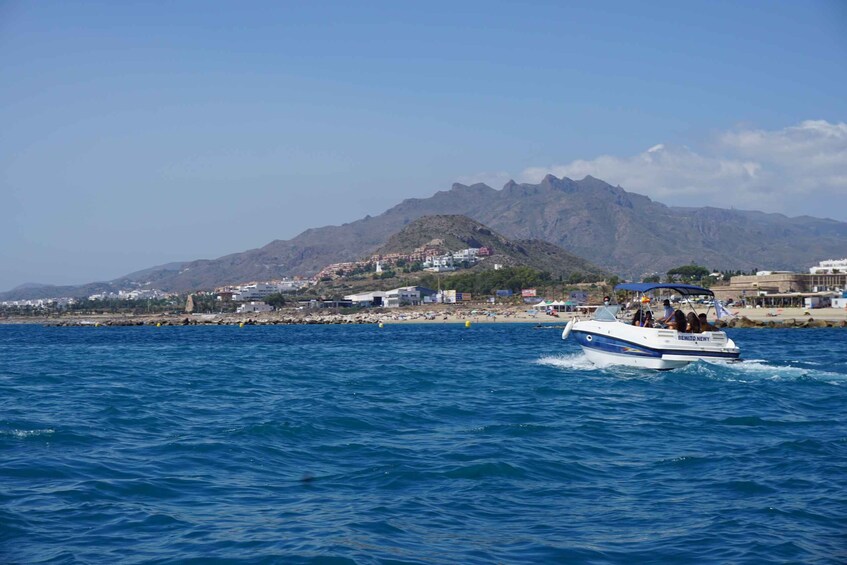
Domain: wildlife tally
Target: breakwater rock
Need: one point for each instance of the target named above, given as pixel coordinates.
(745, 322)
(830, 318)
(222, 321)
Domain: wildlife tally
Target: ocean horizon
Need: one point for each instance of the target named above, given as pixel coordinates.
(414, 443)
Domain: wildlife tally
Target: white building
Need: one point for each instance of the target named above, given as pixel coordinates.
(469, 254)
(255, 291)
(448, 262)
(367, 299)
(139, 294)
(439, 264)
(292, 285)
(404, 296)
(260, 290)
(142, 294)
(40, 303)
(254, 307)
(829, 267)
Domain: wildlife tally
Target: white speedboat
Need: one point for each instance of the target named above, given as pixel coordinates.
(608, 340)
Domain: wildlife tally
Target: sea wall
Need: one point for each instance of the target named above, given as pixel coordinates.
(744, 318)
(744, 322)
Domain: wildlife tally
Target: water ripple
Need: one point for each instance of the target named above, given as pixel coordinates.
(414, 444)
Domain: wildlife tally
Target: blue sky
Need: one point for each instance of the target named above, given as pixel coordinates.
(134, 134)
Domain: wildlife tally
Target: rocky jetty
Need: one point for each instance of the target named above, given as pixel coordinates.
(745, 318)
(745, 322)
(221, 321)
(282, 318)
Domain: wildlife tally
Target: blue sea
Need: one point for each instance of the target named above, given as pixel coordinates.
(415, 444)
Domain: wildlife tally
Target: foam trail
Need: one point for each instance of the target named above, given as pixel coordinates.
(575, 361)
(762, 370)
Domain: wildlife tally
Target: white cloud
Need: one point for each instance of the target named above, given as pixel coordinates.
(797, 170)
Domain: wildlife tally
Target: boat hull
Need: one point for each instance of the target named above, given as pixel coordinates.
(614, 343)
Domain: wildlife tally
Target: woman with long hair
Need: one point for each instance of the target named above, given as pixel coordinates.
(678, 323)
(693, 323)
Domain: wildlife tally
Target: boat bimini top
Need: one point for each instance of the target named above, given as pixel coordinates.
(683, 289)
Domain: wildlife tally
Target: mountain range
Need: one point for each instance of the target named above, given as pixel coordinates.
(623, 232)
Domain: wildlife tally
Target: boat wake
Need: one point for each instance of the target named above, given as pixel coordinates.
(574, 361)
(579, 363)
(759, 369)
(748, 370)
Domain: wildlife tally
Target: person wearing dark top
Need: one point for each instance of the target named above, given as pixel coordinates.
(678, 323)
(643, 319)
(693, 323)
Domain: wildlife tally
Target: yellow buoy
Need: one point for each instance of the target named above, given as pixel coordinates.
(467, 323)
(381, 324)
(158, 324)
(241, 325)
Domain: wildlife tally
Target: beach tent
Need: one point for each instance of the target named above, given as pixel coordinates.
(560, 306)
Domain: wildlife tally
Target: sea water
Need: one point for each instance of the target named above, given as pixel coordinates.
(415, 444)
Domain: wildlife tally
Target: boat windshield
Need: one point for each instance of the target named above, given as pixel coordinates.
(607, 313)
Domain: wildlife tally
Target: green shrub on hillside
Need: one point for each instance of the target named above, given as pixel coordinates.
(487, 282)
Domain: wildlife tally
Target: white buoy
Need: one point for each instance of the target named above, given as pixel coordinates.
(567, 331)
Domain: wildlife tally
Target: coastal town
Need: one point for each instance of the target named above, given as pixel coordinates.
(818, 296)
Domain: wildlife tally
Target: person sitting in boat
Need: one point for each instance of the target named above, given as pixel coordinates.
(667, 313)
(678, 322)
(643, 319)
(693, 323)
(705, 326)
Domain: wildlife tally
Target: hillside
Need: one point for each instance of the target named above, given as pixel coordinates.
(459, 232)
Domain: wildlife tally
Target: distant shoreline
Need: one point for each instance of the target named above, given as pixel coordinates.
(746, 317)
